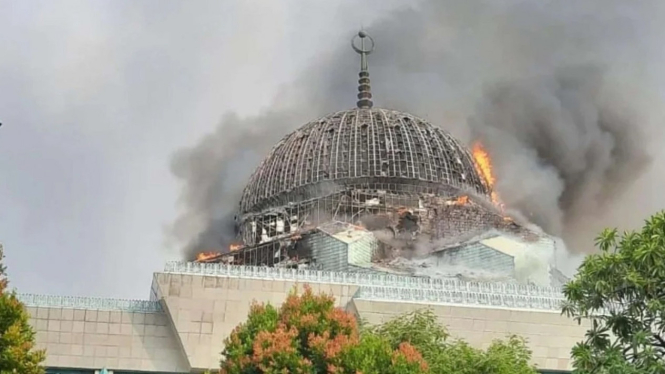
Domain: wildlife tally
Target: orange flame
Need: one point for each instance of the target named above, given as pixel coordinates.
(483, 163)
(484, 167)
(203, 256)
(462, 200)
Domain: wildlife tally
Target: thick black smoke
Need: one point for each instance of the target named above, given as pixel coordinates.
(561, 95)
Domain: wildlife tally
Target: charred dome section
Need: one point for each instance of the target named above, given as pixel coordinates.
(360, 143)
(401, 224)
(345, 162)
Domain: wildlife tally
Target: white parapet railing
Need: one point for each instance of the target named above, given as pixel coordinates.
(92, 303)
(394, 287)
(470, 298)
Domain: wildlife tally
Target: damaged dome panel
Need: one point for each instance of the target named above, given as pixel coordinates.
(351, 164)
(359, 145)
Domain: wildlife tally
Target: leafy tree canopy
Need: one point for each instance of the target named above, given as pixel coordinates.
(309, 335)
(443, 355)
(17, 338)
(621, 291)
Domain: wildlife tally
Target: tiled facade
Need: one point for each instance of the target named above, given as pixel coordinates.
(78, 338)
(205, 309)
(197, 311)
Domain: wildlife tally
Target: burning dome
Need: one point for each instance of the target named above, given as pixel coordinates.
(365, 188)
(365, 151)
(356, 147)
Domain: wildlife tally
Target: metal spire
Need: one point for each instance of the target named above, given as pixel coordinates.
(364, 89)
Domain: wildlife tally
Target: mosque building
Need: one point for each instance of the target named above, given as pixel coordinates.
(384, 210)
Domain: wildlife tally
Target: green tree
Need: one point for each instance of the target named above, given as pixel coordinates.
(621, 291)
(307, 334)
(445, 356)
(17, 338)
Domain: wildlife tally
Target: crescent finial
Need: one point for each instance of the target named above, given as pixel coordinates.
(364, 49)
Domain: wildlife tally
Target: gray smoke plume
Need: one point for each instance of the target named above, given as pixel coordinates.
(563, 96)
(581, 149)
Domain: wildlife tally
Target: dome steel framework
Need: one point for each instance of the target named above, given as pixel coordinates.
(362, 162)
(360, 146)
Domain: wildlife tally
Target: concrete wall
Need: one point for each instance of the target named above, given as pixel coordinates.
(205, 309)
(78, 338)
(200, 311)
(550, 336)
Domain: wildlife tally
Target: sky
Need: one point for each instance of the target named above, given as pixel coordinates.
(99, 97)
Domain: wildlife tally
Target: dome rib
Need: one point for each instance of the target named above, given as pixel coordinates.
(360, 146)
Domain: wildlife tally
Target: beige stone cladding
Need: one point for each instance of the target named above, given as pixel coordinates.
(80, 338)
(550, 335)
(200, 310)
(205, 309)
